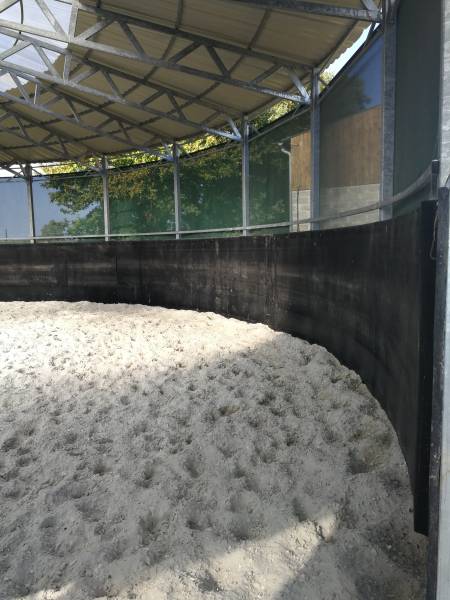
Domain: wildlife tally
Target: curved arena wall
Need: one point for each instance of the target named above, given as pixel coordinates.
(366, 293)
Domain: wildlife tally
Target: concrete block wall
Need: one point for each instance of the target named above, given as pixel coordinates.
(300, 209)
(342, 199)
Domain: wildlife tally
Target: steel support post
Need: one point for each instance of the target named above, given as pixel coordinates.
(30, 202)
(315, 148)
(388, 125)
(176, 189)
(105, 180)
(291, 218)
(245, 176)
(439, 540)
(438, 559)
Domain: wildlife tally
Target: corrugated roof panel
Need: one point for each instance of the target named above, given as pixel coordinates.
(240, 99)
(99, 144)
(174, 129)
(197, 113)
(155, 43)
(222, 20)
(200, 59)
(181, 81)
(165, 11)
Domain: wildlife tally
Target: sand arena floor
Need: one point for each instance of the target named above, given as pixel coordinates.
(158, 454)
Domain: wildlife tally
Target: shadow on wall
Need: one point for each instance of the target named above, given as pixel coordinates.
(150, 455)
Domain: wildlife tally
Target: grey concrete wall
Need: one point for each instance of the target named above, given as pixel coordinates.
(333, 201)
(300, 209)
(336, 200)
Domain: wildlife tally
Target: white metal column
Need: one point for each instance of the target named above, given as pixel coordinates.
(176, 188)
(388, 127)
(29, 180)
(315, 148)
(245, 177)
(105, 181)
(443, 562)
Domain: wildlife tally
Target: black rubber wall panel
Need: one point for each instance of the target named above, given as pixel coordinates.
(366, 293)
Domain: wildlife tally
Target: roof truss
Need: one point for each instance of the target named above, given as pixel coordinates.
(85, 40)
(73, 81)
(76, 85)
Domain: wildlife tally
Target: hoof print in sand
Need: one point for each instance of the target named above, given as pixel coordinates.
(193, 467)
(149, 526)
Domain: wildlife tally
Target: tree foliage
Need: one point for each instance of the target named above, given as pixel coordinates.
(141, 198)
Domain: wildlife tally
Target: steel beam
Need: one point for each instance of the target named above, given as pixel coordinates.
(5, 4)
(313, 8)
(155, 86)
(441, 585)
(99, 109)
(160, 90)
(72, 28)
(20, 131)
(13, 172)
(370, 5)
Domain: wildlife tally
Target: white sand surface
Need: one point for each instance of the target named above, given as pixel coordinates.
(159, 454)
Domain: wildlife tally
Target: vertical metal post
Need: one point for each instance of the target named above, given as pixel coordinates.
(315, 148)
(291, 218)
(438, 559)
(388, 126)
(245, 176)
(105, 180)
(440, 575)
(29, 181)
(176, 188)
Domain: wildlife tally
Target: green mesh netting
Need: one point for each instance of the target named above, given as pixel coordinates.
(67, 205)
(13, 210)
(211, 190)
(141, 200)
(270, 174)
(417, 90)
(350, 139)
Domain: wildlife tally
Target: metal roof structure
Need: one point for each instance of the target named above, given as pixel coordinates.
(104, 76)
